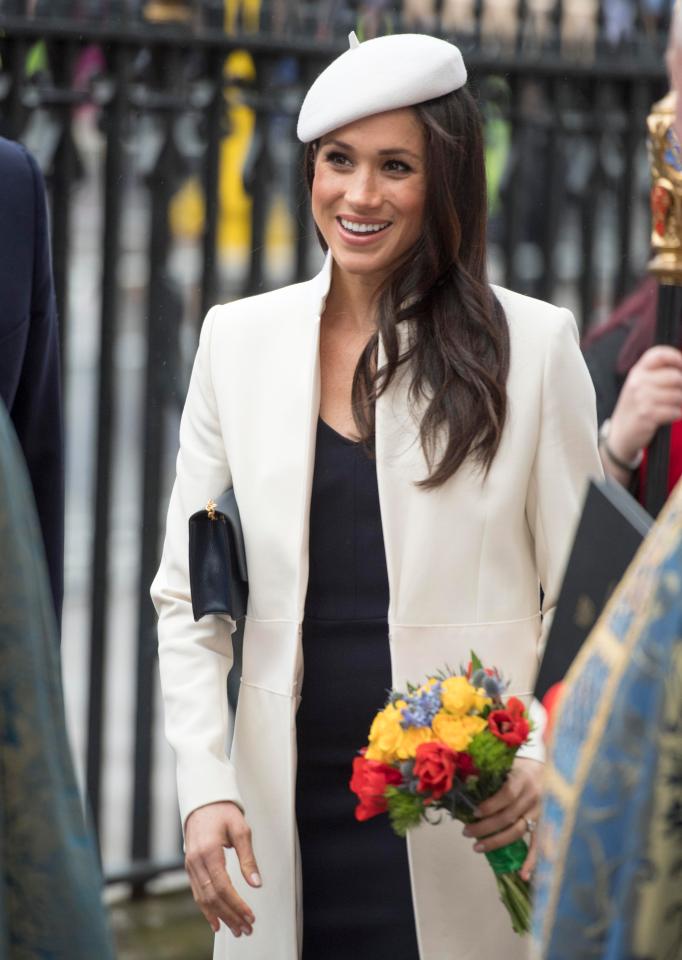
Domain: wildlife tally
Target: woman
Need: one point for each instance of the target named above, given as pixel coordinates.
(409, 450)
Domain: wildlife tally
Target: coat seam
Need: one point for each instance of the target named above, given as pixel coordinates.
(258, 686)
(474, 623)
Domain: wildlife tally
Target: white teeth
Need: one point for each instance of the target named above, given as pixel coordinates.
(362, 227)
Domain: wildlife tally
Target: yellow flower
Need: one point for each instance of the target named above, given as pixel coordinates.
(388, 741)
(386, 734)
(474, 725)
(459, 697)
(453, 731)
(411, 739)
(480, 700)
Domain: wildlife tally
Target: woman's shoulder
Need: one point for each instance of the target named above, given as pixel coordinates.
(535, 321)
(268, 311)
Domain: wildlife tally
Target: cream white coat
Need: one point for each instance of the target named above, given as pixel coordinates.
(464, 565)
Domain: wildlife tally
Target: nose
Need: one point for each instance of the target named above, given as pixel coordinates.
(363, 192)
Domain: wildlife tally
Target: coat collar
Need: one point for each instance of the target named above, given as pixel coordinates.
(320, 286)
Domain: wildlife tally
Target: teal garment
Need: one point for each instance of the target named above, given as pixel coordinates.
(50, 883)
(609, 875)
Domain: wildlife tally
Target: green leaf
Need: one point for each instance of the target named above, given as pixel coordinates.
(475, 663)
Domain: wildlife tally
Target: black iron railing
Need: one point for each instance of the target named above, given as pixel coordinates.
(567, 164)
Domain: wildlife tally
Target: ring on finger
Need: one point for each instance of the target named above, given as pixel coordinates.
(531, 825)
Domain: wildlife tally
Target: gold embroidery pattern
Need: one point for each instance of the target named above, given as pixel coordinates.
(594, 770)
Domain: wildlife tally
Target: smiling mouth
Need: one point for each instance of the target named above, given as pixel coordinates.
(362, 228)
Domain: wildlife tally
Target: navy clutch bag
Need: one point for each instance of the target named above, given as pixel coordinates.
(217, 559)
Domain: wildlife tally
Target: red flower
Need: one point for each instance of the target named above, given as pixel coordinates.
(465, 766)
(549, 702)
(369, 781)
(435, 766)
(510, 725)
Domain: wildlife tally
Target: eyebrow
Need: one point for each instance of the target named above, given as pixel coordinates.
(388, 152)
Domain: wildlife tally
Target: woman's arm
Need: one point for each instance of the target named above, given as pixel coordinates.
(194, 660)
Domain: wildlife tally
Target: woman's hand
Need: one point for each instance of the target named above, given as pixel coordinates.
(208, 831)
(504, 816)
(651, 397)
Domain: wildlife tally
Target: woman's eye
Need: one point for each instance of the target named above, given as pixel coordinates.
(337, 159)
(397, 166)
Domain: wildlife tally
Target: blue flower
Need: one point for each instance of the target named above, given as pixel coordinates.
(494, 685)
(421, 708)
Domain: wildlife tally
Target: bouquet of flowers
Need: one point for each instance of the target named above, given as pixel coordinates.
(447, 745)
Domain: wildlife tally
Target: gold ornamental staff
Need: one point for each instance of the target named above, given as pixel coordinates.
(665, 156)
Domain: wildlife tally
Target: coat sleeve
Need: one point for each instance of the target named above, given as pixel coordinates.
(566, 458)
(36, 410)
(195, 658)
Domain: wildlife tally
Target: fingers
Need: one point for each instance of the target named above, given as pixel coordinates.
(504, 820)
(511, 813)
(208, 831)
(505, 796)
(242, 843)
(647, 402)
(660, 356)
(217, 899)
(669, 377)
(528, 867)
(215, 895)
(197, 887)
(502, 838)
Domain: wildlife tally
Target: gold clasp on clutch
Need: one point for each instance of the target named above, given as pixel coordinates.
(210, 509)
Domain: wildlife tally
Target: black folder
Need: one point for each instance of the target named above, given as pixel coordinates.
(611, 528)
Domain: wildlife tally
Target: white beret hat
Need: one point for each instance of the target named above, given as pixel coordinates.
(385, 73)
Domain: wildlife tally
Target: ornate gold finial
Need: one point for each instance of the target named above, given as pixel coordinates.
(210, 509)
(665, 155)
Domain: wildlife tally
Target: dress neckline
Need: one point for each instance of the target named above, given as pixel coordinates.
(340, 436)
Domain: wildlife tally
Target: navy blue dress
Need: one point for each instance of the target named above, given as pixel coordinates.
(356, 885)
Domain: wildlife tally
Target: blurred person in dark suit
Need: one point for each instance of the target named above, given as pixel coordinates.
(50, 881)
(29, 346)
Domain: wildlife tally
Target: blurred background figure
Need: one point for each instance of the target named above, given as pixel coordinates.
(638, 386)
(639, 382)
(29, 346)
(607, 883)
(50, 882)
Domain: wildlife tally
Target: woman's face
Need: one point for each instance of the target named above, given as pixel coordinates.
(368, 191)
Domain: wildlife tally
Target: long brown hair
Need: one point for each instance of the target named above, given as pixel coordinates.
(458, 347)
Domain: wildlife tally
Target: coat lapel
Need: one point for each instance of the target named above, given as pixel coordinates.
(400, 464)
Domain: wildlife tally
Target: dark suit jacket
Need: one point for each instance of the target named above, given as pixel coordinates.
(29, 345)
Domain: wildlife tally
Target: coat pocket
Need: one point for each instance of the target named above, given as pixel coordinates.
(509, 645)
(271, 656)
